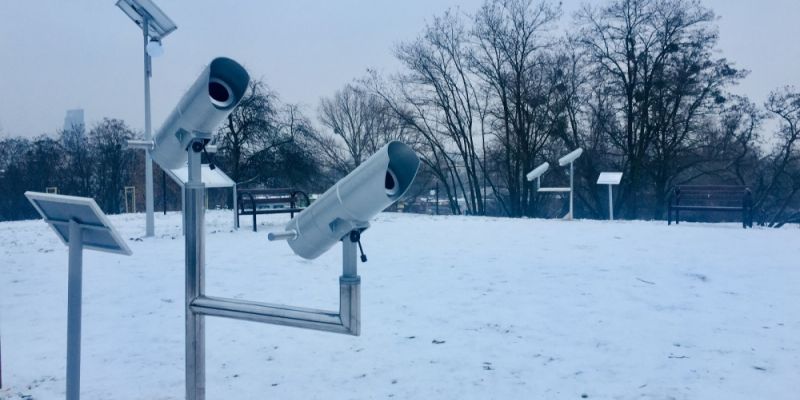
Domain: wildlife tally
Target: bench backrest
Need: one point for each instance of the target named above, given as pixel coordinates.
(295, 198)
(712, 195)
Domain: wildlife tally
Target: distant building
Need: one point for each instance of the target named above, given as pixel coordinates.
(74, 118)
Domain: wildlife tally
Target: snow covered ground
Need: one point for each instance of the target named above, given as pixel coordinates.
(453, 308)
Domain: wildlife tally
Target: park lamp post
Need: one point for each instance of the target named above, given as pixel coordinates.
(155, 26)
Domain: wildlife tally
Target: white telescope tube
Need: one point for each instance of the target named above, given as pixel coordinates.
(353, 201)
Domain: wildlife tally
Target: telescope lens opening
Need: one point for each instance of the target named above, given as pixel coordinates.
(220, 93)
(390, 183)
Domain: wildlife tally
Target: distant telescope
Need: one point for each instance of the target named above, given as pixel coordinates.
(538, 171)
(570, 157)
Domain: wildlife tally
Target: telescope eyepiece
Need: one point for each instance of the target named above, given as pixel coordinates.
(390, 183)
(220, 93)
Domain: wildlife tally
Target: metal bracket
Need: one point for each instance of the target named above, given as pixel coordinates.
(347, 320)
(141, 144)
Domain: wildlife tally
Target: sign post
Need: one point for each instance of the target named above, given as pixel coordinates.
(610, 179)
(79, 223)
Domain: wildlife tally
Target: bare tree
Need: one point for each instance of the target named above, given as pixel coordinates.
(655, 58)
(512, 38)
(247, 129)
(19, 172)
(422, 134)
(439, 91)
(77, 179)
(112, 166)
(358, 119)
(782, 181)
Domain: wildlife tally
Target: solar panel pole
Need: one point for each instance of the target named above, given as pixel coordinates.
(74, 310)
(147, 15)
(148, 160)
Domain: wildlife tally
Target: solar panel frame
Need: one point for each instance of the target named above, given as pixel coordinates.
(58, 210)
(160, 25)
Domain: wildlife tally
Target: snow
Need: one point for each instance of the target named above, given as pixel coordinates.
(453, 308)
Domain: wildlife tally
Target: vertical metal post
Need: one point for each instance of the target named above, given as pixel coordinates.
(610, 203)
(164, 190)
(74, 311)
(183, 210)
(437, 198)
(148, 160)
(350, 288)
(571, 188)
(349, 257)
(235, 206)
(193, 215)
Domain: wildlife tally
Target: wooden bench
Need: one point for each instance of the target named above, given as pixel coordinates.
(722, 198)
(269, 201)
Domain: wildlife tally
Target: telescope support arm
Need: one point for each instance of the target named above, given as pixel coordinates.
(347, 320)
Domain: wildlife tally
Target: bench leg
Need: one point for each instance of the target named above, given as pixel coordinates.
(669, 215)
(747, 218)
(255, 225)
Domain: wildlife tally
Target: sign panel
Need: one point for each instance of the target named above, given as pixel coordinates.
(97, 232)
(609, 178)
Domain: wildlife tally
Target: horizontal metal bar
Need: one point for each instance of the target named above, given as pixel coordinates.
(82, 226)
(287, 235)
(554, 189)
(299, 317)
(249, 211)
(706, 208)
(141, 144)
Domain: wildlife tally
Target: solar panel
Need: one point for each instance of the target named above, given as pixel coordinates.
(159, 25)
(97, 232)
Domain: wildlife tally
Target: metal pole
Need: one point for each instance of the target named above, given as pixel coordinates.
(349, 258)
(74, 311)
(164, 190)
(183, 210)
(195, 280)
(571, 190)
(350, 288)
(437, 198)
(235, 206)
(610, 203)
(148, 160)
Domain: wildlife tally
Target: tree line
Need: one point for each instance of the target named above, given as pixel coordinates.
(487, 96)
(484, 97)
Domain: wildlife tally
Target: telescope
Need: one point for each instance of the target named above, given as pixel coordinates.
(213, 96)
(538, 171)
(353, 201)
(572, 156)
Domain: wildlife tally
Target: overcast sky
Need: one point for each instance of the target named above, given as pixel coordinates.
(59, 55)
